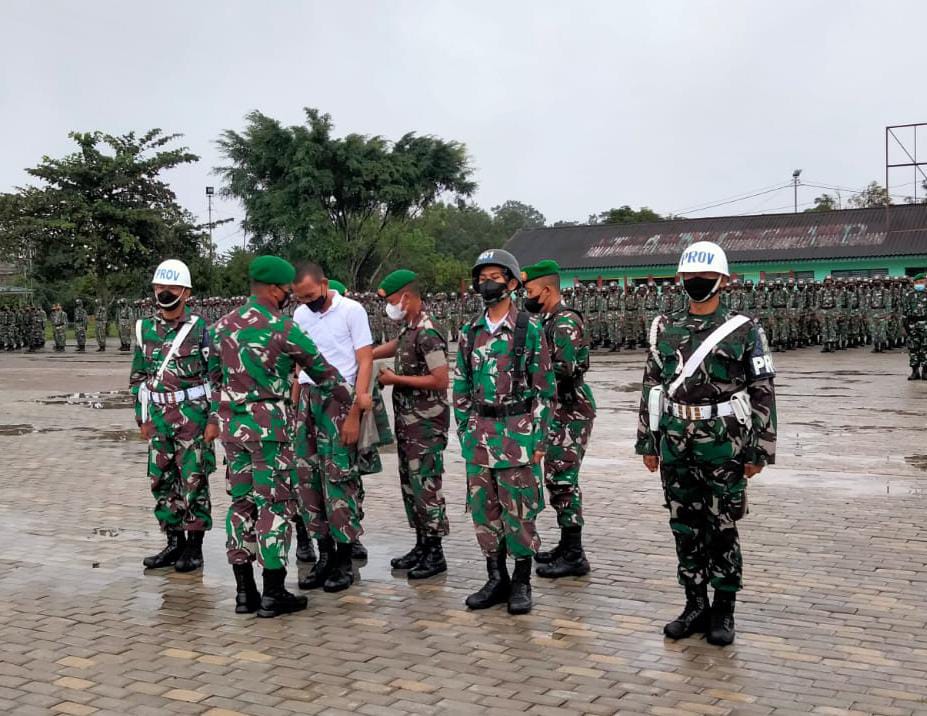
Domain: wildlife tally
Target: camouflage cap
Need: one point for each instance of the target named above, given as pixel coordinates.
(547, 267)
(272, 270)
(396, 281)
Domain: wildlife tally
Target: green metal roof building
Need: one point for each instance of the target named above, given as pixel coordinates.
(852, 242)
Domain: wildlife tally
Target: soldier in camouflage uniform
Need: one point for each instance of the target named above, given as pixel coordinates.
(878, 308)
(716, 428)
(124, 325)
(36, 337)
(422, 418)
(503, 388)
(80, 325)
(828, 312)
(6, 320)
(59, 321)
(571, 421)
(257, 349)
(632, 316)
(613, 317)
(914, 318)
(102, 317)
(172, 388)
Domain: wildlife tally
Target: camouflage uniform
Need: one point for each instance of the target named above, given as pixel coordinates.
(101, 319)
(257, 349)
(503, 490)
(878, 308)
(59, 321)
(80, 325)
(422, 419)
(915, 322)
(124, 324)
(179, 460)
(37, 329)
(702, 462)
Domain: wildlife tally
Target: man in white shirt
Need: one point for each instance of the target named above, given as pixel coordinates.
(330, 487)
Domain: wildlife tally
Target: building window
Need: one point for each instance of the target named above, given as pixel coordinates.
(788, 275)
(860, 273)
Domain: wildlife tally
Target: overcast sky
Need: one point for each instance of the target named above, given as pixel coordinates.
(572, 107)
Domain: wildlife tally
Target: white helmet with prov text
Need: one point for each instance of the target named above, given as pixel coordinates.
(703, 256)
(172, 273)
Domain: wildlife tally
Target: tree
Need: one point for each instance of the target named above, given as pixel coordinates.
(510, 216)
(825, 202)
(625, 215)
(308, 194)
(872, 196)
(102, 215)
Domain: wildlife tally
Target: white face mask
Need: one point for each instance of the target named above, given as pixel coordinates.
(395, 311)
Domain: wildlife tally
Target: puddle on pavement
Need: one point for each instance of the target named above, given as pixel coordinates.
(918, 461)
(117, 435)
(18, 429)
(106, 531)
(106, 400)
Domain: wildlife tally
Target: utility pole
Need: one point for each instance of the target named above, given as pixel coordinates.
(212, 248)
(795, 182)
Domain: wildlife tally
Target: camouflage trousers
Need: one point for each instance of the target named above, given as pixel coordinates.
(561, 470)
(101, 335)
(615, 332)
(504, 504)
(260, 480)
(125, 333)
(58, 334)
(829, 326)
(330, 490)
(421, 472)
(878, 327)
(633, 328)
(704, 489)
(917, 343)
(80, 333)
(179, 467)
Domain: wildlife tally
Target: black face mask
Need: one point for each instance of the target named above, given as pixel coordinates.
(534, 305)
(316, 304)
(168, 299)
(492, 292)
(701, 289)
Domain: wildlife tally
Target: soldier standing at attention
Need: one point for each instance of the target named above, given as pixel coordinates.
(256, 348)
(124, 325)
(708, 422)
(572, 417)
(170, 380)
(503, 389)
(420, 380)
(59, 321)
(80, 325)
(101, 318)
(914, 319)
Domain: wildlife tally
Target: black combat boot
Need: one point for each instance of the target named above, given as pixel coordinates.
(826, 348)
(721, 631)
(497, 587)
(276, 600)
(694, 618)
(323, 566)
(432, 561)
(358, 552)
(915, 373)
(247, 596)
(305, 552)
(167, 557)
(80, 349)
(551, 554)
(412, 557)
(100, 349)
(520, 593)
(192, 557)
(342, 576)
(572, 561)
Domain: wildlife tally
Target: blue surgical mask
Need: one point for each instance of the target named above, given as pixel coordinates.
(919, 287)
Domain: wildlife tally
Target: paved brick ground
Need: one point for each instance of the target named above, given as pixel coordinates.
(831, 620)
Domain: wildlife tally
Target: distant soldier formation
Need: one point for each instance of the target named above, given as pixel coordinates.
(835, 314)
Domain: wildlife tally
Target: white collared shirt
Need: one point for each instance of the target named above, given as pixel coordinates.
(337, 332)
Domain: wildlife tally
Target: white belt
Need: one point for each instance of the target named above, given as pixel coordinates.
(700, 412)
(198, 391)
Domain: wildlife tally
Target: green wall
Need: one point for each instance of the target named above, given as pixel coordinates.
(896, 266)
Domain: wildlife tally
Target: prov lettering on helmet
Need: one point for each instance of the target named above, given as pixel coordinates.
(168, 274)
(699, 257)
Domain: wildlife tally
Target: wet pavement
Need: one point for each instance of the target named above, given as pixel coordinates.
(832, 619)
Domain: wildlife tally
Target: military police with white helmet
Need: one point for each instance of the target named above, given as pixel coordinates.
(707, 421)
(171, 384)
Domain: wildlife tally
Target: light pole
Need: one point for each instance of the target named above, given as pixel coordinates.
(795, 175)
(209, 192)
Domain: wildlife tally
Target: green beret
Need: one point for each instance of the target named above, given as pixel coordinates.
(920, 277)
(547, 267)
(396, 281)
(272, 270)
(337, 286)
